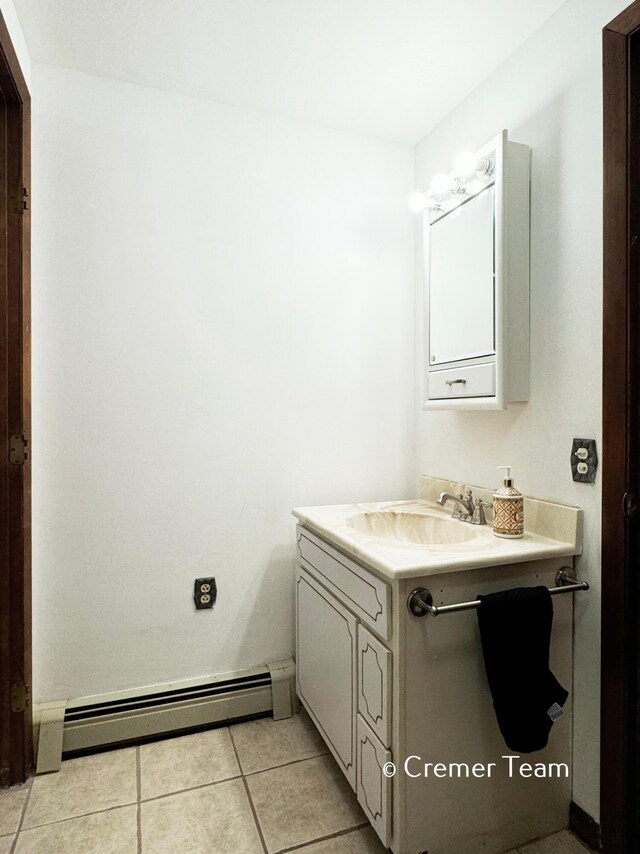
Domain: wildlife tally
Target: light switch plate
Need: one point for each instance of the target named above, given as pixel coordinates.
(584, 460)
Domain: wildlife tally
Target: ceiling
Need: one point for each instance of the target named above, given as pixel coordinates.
(386, 68)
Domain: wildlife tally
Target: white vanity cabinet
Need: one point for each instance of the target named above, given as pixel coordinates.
(382, 685)
(327, 672)
(343, 671)
(476, 247)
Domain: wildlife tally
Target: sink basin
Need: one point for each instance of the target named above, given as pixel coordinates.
(412, 528)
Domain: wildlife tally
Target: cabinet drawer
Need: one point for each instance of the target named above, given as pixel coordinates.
(374, 684)
(361, 591)
(374, 787)
(326, 647)
(473, 381)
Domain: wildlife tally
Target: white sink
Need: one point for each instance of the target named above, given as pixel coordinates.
(407, 527)
(416, 537)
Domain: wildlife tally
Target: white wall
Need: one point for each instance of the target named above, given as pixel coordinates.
(17, 38)
(222, 324)
(222, 330)
(548, 94)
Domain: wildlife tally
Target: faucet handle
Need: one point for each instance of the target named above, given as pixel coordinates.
(466, 500)
(479, 517)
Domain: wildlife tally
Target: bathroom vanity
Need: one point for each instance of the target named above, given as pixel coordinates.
(383, 685)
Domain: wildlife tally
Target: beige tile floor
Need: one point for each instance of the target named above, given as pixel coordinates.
(256, 787)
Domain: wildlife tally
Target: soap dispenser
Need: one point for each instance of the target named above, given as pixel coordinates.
(508, 509)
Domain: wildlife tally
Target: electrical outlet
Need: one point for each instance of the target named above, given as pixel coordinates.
(204, 593)
(584, 460)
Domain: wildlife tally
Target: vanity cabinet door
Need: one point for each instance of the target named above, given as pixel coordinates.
(374, 684)
(374, 787)
(326, 656)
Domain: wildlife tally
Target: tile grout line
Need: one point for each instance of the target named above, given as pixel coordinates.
(255, 815)
(190, 789)
(23, 812)
(285, 764)
(335, 835)
(139, 797)
(133, 803)
(248, 794)
(80, 815)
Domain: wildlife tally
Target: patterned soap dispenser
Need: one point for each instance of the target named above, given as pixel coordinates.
(508, 509)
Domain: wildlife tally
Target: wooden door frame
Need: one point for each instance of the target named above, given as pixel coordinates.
(620, 727)
(16, 731)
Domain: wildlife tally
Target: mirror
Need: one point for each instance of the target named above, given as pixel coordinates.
(462, 282)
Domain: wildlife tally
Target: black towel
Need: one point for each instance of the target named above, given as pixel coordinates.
(515, 629)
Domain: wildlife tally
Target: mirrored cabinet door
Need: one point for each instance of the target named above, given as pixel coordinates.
(462, 282)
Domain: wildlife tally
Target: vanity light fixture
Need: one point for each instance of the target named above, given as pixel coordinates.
(420, 201)
(468, 164)
(441, 183)
(458, 187)
(473, 173)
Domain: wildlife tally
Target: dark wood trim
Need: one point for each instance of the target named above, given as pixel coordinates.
(621, 421)
(16, 739)
(626, 22)
(585, 828)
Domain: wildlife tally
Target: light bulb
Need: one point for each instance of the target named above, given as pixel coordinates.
(440, 183)
(417, 202)
(466, 163)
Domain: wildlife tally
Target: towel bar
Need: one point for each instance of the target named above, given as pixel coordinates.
(420, 601)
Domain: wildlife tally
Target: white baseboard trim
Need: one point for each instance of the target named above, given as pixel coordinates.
(128, 716)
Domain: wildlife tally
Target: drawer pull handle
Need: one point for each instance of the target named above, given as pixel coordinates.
(453, 382)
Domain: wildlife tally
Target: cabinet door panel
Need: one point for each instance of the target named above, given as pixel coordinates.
(364, 593)
(374, 788)
(326, 646)
(374, 684)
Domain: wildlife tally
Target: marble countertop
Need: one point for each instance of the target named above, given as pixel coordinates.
(551, 530)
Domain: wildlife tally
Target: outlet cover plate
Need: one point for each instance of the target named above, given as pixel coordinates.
(204, 593)
(579, 462)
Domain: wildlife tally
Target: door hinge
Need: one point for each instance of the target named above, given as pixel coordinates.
(20, 697)
(629, 504)
(20, 200)
(18, 453)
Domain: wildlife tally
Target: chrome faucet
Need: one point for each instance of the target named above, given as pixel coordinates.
(467, 508)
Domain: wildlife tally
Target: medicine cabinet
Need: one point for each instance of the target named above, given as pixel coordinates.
(476, 239)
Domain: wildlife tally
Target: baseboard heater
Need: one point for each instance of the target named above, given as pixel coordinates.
(129, 716)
